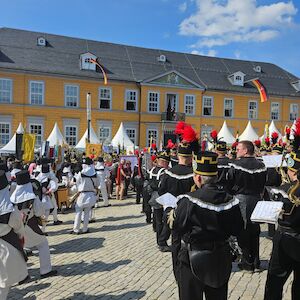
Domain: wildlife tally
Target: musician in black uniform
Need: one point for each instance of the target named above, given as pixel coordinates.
(177, 181)
(246, 180)
(223, 162)
(173, 157)
(285, 256)
(154, 177)
(205, 219)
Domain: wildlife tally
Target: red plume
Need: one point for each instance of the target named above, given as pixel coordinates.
(234, 145)
(189, 134)
(179, 127)
(296, 141)
(287, 130)
(274, 135)
(267, 141)
(257, 143)
(136, 152)
(214, 134)
(145, 149)
(153, 157)
(170, 144)
(153, 146)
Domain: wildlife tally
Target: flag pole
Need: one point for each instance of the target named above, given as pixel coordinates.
(88, 116)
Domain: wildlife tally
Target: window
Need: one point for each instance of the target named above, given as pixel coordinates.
(252, 110)
(37, 129)
(71, 135)
(153, 102)
(152, 136)
(71, 95)
(207, 106)
(274, 111)
(104, 134)
(5, 90)
(228, 108)
(36, 94)
(131, 134)
(293, 111)
(105, 98)
(131, 100)
(189, 104)
(4, 133)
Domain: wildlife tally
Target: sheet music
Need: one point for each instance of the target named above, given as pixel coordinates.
(273, 161)
(266, 212)
(167, 200)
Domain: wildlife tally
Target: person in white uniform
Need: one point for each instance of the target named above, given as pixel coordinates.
(13, 268)
(31, 207)
(103, 174)
(87, 184)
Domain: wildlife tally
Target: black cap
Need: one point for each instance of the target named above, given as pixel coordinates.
(185, 149)
(22, 177)
(87, 161)
(45, 168)
(206, 163)
(100, 159)
(277, 148)
(3, 180)
(221, 146)
(3, 167)
(17, 165)
(164, 155)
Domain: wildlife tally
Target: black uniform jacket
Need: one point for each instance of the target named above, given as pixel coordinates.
(177, 180)
(223, 167)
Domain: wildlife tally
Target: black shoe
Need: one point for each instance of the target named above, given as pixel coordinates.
(246, 267)
(26, 279)
(57, 222)
(107, 205)
(164, 249)
(92, 221)
(49, 274)
(74, 232)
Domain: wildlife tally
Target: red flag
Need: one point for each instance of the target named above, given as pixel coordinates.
(262, 90)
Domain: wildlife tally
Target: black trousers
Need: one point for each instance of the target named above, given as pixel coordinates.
(248, 240)
(190, 288)
(280, 267)
(146, 206)
(163, 231)
(139, 189)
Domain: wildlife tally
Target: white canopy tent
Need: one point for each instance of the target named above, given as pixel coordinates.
(93, 139)
(56, 137)
(10, 147)
(121, 138)
(273, 128)
(225, 134)
(249, 133)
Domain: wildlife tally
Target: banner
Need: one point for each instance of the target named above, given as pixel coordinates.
(19, 144)
(28, 146)
(93, 150)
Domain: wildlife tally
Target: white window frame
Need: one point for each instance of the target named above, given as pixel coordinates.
(65, 134)
(10, 91)
(126, 100)
(5, 122)
(157, 103)
(148, 137)
(212, 105)
(256, 109)
(191, 105)
(41, 135)
(278, 105)
(135, 133)
(77, 96)
(292, 111)
(232, 107)
(110, 99)
(43, 91)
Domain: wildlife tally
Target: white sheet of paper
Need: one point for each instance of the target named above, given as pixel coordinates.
(266, 212)
(167, 200)
(273, 161)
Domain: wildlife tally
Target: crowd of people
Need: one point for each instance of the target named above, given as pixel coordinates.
(211, 196)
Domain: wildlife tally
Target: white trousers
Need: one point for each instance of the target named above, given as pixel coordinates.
(4, 292)
(104, 194)
(46, 215)
(86, 215)
(44, 256)
(54, 212)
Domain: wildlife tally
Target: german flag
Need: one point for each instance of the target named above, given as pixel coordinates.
(262, 90)
(94, 61)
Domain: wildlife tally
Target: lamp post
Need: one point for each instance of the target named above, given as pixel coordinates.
(88, 116)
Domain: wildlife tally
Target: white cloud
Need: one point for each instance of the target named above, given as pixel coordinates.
(220, 22)
(182, 7)
(210, 52)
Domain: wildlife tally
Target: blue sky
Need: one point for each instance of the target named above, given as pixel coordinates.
(262, 30)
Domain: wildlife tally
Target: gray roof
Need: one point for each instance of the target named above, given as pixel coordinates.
(19, 51)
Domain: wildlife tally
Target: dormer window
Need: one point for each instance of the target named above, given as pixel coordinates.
(85, 61)
(237, 78)
(41, 41)
(296, 85)
(257, 69)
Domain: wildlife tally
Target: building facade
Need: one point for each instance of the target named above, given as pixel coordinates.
(45, 79)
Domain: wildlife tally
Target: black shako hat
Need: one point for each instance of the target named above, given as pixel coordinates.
(205, 163)
(45, 168)
(185, 149)
(277, 148)
(3, 167)
(87, 161)
(164, 155)
(221, 146)
(22, 177)
(3, 180)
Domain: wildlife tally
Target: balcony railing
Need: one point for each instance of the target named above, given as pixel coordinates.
(172, 117)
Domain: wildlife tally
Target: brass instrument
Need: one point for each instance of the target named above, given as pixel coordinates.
(292, 197)
(280, 170)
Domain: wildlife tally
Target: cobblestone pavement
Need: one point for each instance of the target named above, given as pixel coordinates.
(118, 259)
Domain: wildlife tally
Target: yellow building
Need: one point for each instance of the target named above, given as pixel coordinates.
(45, 79)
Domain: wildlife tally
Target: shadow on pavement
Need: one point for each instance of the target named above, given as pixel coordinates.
(111, 219)
(82, 268)
(118, 227)
(78, 245)
(134, 295)
(21, 290)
